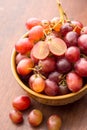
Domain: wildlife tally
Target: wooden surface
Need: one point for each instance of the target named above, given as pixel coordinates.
(13, 15)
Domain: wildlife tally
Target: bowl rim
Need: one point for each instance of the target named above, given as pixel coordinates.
(39, 95)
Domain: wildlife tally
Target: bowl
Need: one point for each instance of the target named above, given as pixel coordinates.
(42, 98)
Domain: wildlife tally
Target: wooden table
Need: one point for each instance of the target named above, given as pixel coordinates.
(13, 15)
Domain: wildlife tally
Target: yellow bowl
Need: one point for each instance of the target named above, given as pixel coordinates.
(44, 99)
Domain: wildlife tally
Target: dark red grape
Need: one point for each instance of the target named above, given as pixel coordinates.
(51, 88)
(63, 89)
(55, 76)
(71, 38)
(63, 66)
(48, 64)
(65, 28)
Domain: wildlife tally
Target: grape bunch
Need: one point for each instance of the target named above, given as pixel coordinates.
(52, 56)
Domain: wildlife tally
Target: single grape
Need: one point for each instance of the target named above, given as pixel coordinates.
(55, 76)
(21, 102)
(19, 57)
(65, 28)
(74, 81)
(16, 116)
(36, 33)
(63, 65)
(51, 88)
(35, 117)
(24, 67)
(31, 22)
(72, 54)
(63, 89)
(82, 43)
(48, 64)
(54, 122)
(71, 39)
(81, 67)
(24, 45)
(37, 83)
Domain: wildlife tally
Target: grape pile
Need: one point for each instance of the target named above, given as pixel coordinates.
(52, 56)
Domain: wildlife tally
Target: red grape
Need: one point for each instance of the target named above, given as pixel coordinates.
(21, 102)
(23, 45)
(72, 54)
(65, 28)
(74, 81)
(36, 83)
(71, 38)
(47, 65)
(36, 33)
(82, 43)
(51, 88)
(55, 76)
(31, 22)
(54, 122)
(25, 66)
(63, 66)
(63, 89)
(16, 116)
(35, 117)
(81, 67)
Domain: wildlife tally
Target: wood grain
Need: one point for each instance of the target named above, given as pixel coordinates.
(13, 15)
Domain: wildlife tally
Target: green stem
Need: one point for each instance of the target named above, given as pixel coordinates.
(63, 15)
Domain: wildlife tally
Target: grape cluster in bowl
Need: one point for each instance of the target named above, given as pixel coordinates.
(50, 59)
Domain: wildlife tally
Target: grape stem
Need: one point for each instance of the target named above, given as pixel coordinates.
(63, 15)
(63, 80)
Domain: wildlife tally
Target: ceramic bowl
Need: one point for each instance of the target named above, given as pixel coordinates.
(44, 99)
